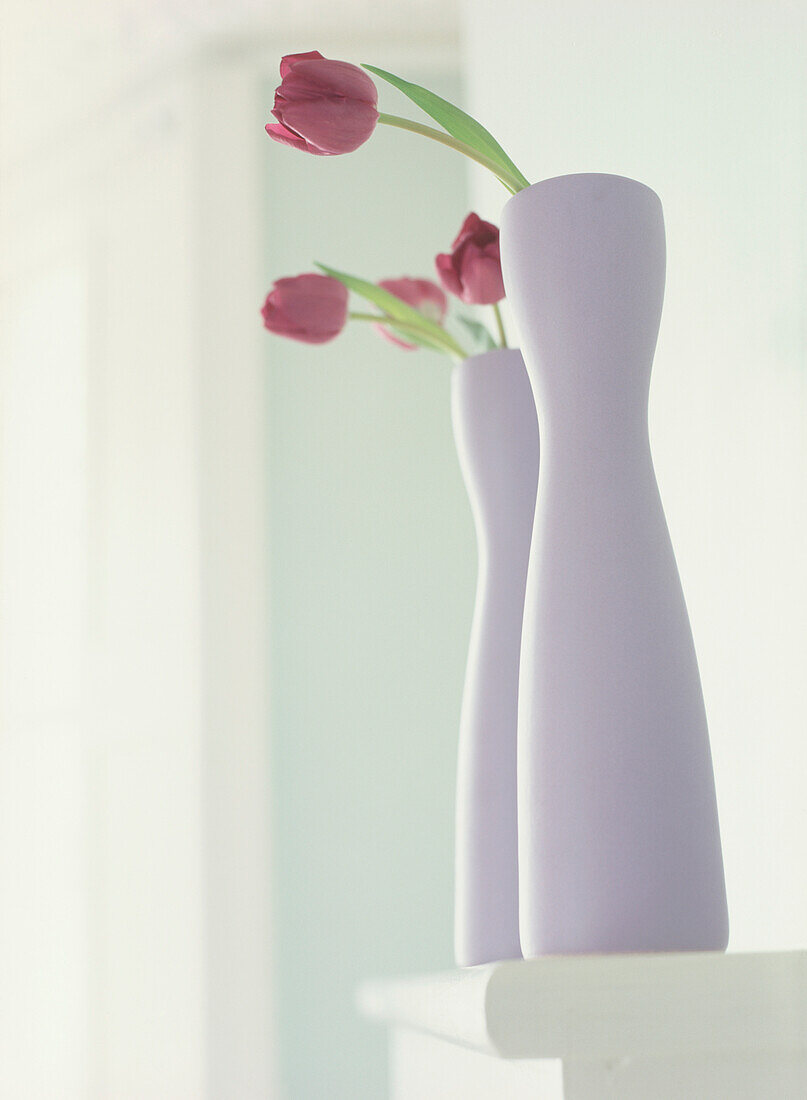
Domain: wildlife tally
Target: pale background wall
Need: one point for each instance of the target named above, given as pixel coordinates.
(372, 578)
(147, 425)
(194, 779)
(134, 841)
(705, 102)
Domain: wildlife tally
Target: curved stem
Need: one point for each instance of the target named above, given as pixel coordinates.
(446, 343)
(510, 182)
(500, 325)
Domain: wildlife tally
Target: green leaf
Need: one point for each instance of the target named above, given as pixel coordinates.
(479, 332)
(454, 121)
(390, 304)
(407, 333)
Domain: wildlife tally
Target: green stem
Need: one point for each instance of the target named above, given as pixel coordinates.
(446, 341)
(510, 181)
(500, 325)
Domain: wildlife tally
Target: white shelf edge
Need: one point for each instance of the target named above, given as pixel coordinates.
(607, 1006)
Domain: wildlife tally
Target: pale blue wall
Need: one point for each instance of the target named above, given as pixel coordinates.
(372, 573)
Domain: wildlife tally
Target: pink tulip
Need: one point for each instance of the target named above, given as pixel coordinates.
(321, 106)
(423, 295)
(473, 270)
(309, 308)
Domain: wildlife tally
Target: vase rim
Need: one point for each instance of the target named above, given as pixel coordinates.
(553, 182)
(486, 359)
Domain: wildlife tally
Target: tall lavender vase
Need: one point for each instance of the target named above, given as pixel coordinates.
(619, 845)
(496, 433)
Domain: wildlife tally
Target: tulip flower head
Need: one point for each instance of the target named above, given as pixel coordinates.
(329, 107)
(473, 269)
(323, 107)
(315, 308)
(423, 295)
(309, 308)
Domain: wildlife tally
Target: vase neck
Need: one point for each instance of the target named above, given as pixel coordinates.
(599, 400)
(584, 267)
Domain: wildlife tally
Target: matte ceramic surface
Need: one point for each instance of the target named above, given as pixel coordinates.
(619, 844)
(496, 432)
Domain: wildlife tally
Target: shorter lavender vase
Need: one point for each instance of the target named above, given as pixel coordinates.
(496, 432)
(619, 844)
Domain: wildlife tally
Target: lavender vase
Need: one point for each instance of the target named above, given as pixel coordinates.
(496, 433)
(619, 844)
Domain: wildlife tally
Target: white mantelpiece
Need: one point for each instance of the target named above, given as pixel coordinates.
(657, 1027)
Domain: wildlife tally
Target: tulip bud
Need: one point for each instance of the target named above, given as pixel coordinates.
(421, 294)
(473, 270)
(310, 308)
(323, 107)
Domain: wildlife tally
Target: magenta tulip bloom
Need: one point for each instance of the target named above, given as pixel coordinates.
(321, 106)
(423, 295)
(473, 270)
(309, 308)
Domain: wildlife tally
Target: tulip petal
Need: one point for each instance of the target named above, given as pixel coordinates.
(482, 280)
(393, 339)
(281, 133)
(423, 294)
(447, 275)
(467, 230)
(329, 107)
(330, 126)
(472, 270)
(329, 78)
(288, 62)
(310, 308)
